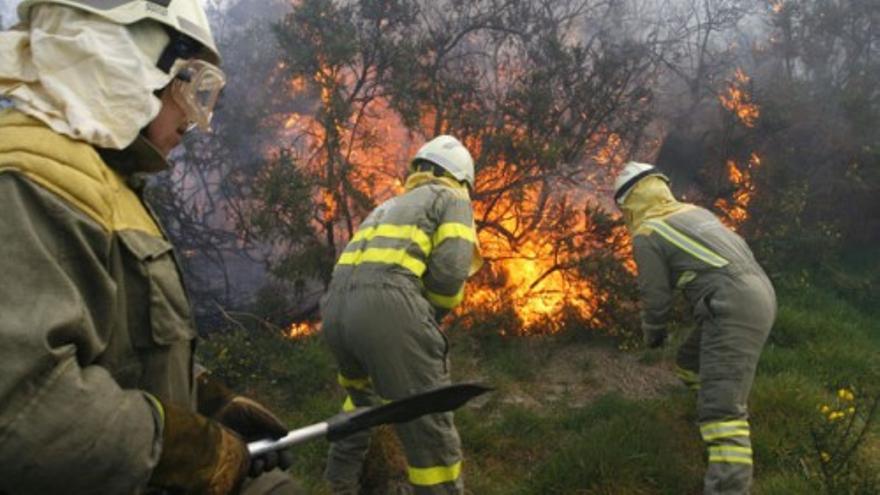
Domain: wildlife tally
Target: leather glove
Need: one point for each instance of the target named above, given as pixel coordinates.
(248, 418)
(199, 456)
(655, 338)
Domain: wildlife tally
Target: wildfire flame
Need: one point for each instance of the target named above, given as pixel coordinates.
(533, 241)
(532, 257)
(736, 209)
(738, 101)
(302, 329)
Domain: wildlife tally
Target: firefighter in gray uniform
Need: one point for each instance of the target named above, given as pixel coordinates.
(99, 393)
(682, 246)
(403, 270)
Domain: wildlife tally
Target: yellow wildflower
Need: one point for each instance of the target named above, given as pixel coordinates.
(845, 394)
(852, 410)
(825, 456)
(825, 409)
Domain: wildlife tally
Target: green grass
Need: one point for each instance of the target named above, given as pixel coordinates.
(612, 445)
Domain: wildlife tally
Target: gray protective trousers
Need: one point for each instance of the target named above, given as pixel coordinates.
(388, 346)
(723, 350)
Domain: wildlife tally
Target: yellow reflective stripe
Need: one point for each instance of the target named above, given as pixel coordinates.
(447, 302)
(685, 278)
(356, 383)
(409, 232)
(433, 475)
(158, 405)
(348, 405)
(737, 423)
(727, 434)
(730, 460)
(687, 376)
(730, 454)
(725, 429)
(384, 256)
(454, 230)
(687, 244)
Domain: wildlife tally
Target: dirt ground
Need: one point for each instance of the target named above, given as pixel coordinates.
(576, 375)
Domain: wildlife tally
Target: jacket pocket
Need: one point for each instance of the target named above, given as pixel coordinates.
(169, 314)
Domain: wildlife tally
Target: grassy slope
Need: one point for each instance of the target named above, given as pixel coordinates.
(538, 437)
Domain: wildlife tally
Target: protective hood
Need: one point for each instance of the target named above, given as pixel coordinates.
(417, 179)
(82, 75)
(650, 198)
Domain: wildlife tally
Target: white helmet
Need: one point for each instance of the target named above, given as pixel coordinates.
(631, 174)
(449, 154)
(185, 17)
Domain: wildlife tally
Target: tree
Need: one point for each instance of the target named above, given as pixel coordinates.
(543, 93)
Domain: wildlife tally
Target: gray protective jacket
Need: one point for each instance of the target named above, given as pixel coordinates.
(94, 314)
(682, 246)
(423, 240)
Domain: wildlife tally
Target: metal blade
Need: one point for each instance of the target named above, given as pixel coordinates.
(438, 400)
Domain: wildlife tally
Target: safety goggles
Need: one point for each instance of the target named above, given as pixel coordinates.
(196, 87)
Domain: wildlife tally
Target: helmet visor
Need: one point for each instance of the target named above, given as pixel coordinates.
(196, 87)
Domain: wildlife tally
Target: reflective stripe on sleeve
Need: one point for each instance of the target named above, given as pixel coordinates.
(158, 405)
(730, 454)
(384, 256)
(433, 475)
(724, 429)
(447, 302)
(451, 230)
(407, 232)
(687, 244)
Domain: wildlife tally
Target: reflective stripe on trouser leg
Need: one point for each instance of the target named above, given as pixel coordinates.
(688, 377)
(433, 452)
(731, 345)
(345, 458)
(730, 457)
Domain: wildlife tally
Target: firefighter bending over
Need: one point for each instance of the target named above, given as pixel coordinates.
(682, 246)
(401, 272)
(98, 389)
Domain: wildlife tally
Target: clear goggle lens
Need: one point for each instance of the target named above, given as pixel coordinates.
(196, 87)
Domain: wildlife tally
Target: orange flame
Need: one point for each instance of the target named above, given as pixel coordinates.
(303, 329)
(736, 209)
(738, 101)
(532, 256)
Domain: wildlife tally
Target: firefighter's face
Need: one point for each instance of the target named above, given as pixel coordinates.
(167, 129)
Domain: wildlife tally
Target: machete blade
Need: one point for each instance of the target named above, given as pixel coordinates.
(434, 401)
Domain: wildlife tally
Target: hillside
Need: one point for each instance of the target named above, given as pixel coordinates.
(576, 415)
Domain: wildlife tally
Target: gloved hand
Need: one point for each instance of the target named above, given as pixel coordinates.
(655, 338)
(199, 456)
(248, 418)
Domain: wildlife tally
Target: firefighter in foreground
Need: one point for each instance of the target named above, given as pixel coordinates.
(98, 389)
(682, 246)
(403, 270)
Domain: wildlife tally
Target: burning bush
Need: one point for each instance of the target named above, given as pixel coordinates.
(544, 103)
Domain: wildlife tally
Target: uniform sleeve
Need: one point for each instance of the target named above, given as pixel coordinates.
(65, 425)
(655, 286)
(453, 248)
